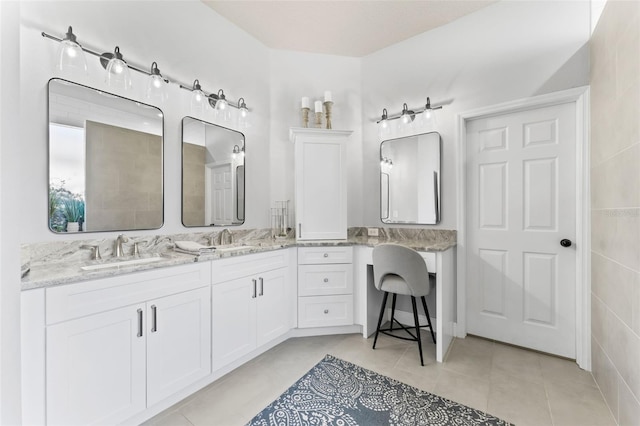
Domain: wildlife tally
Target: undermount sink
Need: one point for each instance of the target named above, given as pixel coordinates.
(232, 248)
(121, 263)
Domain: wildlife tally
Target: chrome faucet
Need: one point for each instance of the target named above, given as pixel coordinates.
(95, 251)
(226, 237)
(117, 251)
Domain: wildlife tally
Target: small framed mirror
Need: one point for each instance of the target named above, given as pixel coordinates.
(105, 161)
(410, 179)
(213, 174)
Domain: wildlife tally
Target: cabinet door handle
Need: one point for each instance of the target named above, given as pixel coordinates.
(299, 230)
(154, 318)
(139, 322)
(261, 286)
(254, 288)
(326, 255)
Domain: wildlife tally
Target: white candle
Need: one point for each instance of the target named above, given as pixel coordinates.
(318, 105)
(327, 96)
(305, 102)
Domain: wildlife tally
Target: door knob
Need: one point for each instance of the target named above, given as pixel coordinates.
(565, 243)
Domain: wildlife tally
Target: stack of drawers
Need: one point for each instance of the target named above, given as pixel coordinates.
(325, 286)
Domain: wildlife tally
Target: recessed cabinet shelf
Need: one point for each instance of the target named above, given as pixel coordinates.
(321, 183)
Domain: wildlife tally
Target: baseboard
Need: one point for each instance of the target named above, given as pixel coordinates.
(323, 331)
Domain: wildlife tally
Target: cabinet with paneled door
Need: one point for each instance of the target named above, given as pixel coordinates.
(117, 346)
(320, 183)
(251, 305)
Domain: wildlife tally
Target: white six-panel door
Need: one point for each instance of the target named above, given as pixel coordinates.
(521, 196)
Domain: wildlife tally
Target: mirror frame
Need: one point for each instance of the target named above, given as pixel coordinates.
(241, 220)
(162, 138)
(437, 184)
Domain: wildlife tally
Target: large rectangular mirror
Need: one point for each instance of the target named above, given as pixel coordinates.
(213, 171)
(410, 179)
(105, 161)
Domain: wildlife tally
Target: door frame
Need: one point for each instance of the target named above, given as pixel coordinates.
(579, 96)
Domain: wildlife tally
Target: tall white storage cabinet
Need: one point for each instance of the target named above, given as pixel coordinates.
(321, 183)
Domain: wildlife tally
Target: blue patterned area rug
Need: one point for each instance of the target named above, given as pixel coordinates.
(336, 392)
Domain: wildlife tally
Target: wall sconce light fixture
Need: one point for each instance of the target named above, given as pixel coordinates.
(407, 115)
(237, 151)
(156, 85)
(71, 58)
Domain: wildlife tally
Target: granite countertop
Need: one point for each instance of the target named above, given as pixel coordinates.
(67, 269)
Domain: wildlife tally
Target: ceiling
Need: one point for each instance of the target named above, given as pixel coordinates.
(347, 27)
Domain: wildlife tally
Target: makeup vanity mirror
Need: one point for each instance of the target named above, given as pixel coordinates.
(410, 179)
(213, 174)
(105, 161)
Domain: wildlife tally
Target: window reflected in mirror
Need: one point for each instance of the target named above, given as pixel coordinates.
(410, 179)
(213, 174)
(105, 161)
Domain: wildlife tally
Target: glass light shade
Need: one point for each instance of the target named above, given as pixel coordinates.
(428, 117)
(71, 58)
(198, 100)
(118, 74)
(156, 88)
(243, 117)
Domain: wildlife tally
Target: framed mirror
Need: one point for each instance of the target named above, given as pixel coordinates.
(213, 174)
(410, 179)
(105, 161)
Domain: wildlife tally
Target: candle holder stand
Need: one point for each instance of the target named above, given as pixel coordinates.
(319, 120)
(327, 107)
(305, 117)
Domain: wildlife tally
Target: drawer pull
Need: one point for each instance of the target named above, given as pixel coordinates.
(326, 280)
(326, 311)
(326, 255)
(139, 322)
(154, 319)
(254, 288)
(261, 287)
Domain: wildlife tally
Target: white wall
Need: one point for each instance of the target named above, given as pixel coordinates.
(10, 215)
(507, 51)
(188, 40)
(294, 75)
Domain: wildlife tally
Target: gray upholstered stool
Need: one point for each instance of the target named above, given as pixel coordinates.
(401, 270)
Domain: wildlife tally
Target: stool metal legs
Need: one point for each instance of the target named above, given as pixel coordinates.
(417, 325)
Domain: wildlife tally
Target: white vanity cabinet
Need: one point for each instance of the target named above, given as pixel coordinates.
(251, 304)
(325, 286)
(116, 346)
(320, 183)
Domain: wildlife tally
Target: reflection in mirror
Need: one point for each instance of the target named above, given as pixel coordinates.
(410, 179)
(213, 174)
(105, 161)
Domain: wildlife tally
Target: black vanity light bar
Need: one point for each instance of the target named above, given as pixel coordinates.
(407, 111)
(104, 58)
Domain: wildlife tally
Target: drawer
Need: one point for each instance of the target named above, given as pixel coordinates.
(320, 255)
(246, 265)
(323, 280)
(325, 311)
(77, 300)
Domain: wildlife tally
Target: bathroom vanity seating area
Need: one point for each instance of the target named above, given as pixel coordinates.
(120, 344)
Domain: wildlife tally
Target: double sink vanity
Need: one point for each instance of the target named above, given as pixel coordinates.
(120, 337)
(156, 328)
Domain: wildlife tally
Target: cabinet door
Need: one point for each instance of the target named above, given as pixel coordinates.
(273, 305)
(321, 191)
(178, 342)
(96, 368)
(234, 320)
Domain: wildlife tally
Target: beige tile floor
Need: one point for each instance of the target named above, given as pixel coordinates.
(521, 386)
